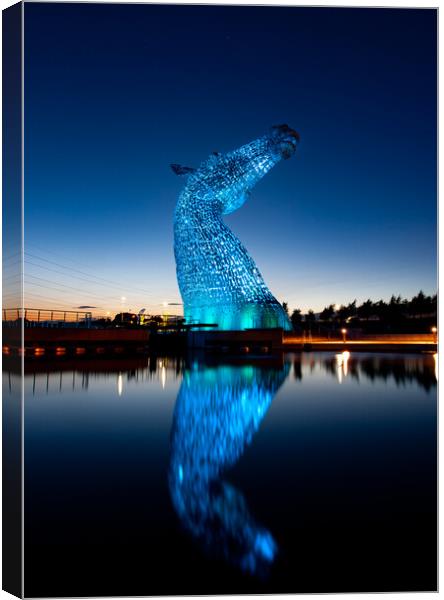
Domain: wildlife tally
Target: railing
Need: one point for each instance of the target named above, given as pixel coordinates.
(42, 317)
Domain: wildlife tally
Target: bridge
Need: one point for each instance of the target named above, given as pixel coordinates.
(73, 333)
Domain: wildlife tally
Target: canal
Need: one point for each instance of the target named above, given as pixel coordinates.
(301, 472)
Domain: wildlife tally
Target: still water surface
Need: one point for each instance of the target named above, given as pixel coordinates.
(309, 472)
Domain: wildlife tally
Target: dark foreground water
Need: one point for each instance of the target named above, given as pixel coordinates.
(304, 473)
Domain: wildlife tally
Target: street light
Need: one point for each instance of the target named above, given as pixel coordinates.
(165, 312)
(434, 330)
(122, 300)
(344, 335)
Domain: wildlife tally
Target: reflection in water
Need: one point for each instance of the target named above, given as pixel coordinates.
(162, 373)
(342, 364)
(357, 460)
(401, 369)
(217, 412)
(64, 373)
(72, 374)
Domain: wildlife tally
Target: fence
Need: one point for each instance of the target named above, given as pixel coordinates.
(41, 317)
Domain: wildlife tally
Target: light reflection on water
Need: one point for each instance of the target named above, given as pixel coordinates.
(420, 369)
(400, 369)
(186, 425)
(342, 364)
(217, 413)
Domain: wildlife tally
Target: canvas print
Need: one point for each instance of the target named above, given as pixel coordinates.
(219, 299)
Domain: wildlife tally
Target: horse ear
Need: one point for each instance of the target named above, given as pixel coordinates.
(180, 170)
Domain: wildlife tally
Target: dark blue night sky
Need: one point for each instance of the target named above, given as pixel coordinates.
(115, 93)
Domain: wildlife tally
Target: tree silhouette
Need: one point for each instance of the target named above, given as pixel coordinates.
(422, 305)
(310, 317)
(328, 313)
(366, 309)
(417, 314)
(296, 318)
(346, 312)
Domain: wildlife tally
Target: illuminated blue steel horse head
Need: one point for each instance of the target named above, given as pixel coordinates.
(218, 279)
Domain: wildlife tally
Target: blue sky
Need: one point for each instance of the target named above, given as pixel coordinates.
(115, 93)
